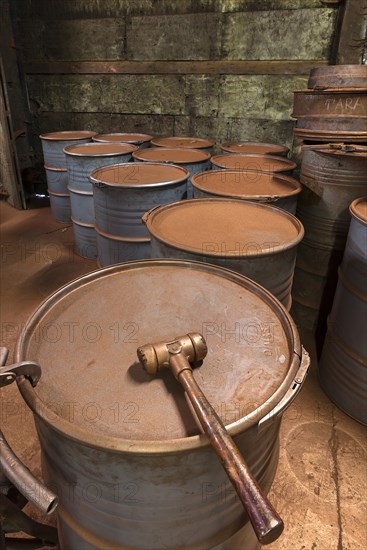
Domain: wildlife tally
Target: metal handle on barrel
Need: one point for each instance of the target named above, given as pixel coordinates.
(17, 473)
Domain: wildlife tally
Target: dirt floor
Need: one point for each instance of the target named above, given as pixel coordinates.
(320, 488)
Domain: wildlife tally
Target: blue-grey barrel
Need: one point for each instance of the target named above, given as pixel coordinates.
(141, 140)
(253, 162)
(194, 160)
(81, 161)
(56, 170)
(343, 365)
(186, 142)
(254, 239)
(122, 194)
(277, 189)
(257, 147)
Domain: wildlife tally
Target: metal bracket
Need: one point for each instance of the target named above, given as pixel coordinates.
(28, 369)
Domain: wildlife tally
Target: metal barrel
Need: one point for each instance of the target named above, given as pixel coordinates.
(254, 147)
(130, 466)
(331, 115)
(53, 145)
(343, 365)
(81, 161)
(185, 142)
(122, 194)
(332, 177)
(194, 160)
(141, 140)
(57, 180)
(60, 206)
(256, 240)
(338, 76)
(277, 189)
(253, 162)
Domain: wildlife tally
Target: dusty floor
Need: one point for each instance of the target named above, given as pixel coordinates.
(320, 488)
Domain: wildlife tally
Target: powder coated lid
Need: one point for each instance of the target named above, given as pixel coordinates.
(123, 137)
(183, 141)
(258, 147)
(245, 185)
(358, 209)
(68, 135)
(171, 154)
(224, 227)
(263, 163)
(85, 338)
(139, 174)
(100, 149)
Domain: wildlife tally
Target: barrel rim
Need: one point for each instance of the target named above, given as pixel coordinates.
(68, 150)
(52, 169)
(97, 181)
(169, 446)
(98, 137)
(64, 195)
(331, 91)
(288, 164)
(182, 204)
(297, 187)
(139, 154)
(225, 146)
(353, 209)
(206, 142)
(84, 134)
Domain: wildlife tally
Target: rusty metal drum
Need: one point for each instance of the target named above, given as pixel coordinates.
(194, 160)
(338, 76)
(343, 365)
(185, 142)
(277, 189)
(60, 206)
(253, 162)
(130, 466)
(251, 147)
(256, 240)
(141, 140)
(122, 194)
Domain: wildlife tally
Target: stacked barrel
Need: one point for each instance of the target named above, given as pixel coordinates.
(53, 145)
(332, 119)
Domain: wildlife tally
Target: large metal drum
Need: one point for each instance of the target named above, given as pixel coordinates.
(122, 194)
(185, 142)
(257, 147)
(256, 240)
(194, 160)
(141, 140)
(121, 449)
(338, 76)
(254, 163)
(81, 161)
(343, 366)
(276, 189)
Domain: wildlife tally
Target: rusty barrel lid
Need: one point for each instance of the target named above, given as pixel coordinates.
(85, 337)
(139, 174)
(183, 141)
(177, 155)
(358, 209)
(228, 228)
(338, 76)
(245, 185)
(249, 147)
(68, 135)
(262, 163)
(338, 150)
(100, 149)
(124, 137)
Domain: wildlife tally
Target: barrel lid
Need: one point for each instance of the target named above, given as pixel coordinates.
(259, 147)
(245, 185)
(183, 141)
(100, 149)
(172, 154)
(340, 76)
(263, 163)
(222, 227)
(358, 209)
(123, 137)
(139, 174)
(68, 135)
(86, 334)
(338, 149)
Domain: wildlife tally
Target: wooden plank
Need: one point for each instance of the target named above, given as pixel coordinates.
(174, 67)
(352, 37)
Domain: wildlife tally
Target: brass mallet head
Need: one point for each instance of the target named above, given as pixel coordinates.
(156, 356)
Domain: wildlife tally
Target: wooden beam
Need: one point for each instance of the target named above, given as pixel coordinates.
(174, 67)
